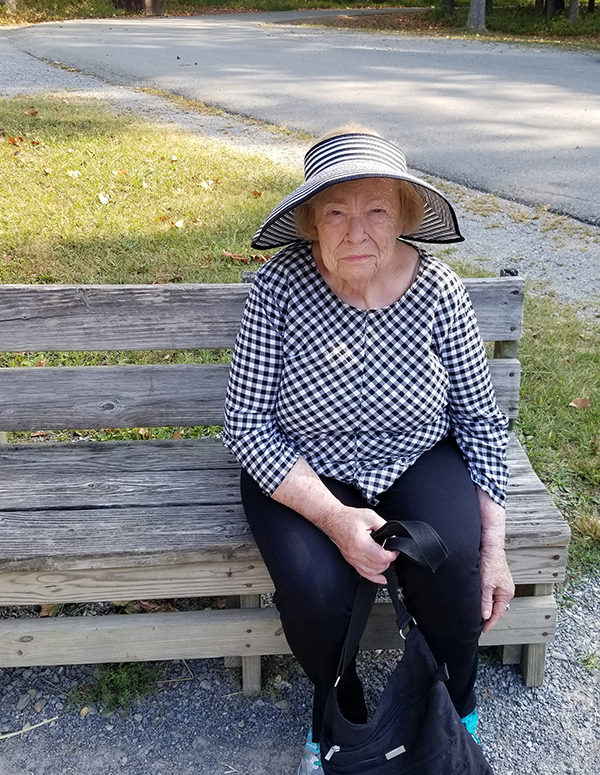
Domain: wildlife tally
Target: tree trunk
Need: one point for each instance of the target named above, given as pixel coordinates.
(560, 6)
(155, 8)
(11, 5)
(551, 8)
(448, 6)
(476, 18)
(573, 11)
(489, 7)
(540, 7)
(591, 6)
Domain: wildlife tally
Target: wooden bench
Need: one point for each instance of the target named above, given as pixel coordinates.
(128, 520)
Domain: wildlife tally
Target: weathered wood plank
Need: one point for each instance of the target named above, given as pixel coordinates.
(533, 655)
(197, 579)
(174, 502)
(93, 458)
(119, 317)
(116, 396)
(130, 396)
(54, 540)
(180, 316)
(204, 634)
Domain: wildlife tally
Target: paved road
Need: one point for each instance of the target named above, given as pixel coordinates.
(520, 121)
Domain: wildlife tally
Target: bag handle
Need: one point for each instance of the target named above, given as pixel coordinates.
(416, 540)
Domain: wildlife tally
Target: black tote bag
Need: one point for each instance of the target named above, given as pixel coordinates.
(415, 729)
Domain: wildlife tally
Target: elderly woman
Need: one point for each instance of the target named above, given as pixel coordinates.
(359, 393)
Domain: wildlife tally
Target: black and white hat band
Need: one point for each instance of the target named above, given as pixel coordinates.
(351, 157)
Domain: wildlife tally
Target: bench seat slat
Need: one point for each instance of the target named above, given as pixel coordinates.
(180, 316)
(66, 584)
(101, 503)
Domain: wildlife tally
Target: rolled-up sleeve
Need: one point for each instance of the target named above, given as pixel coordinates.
(478, 425)
(251, 430)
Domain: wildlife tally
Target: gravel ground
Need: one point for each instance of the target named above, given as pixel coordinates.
(198, 721)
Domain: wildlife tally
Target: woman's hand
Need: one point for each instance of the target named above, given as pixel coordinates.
(350, 529)
(497, 586)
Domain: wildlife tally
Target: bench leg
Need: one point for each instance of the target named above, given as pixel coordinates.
(533, 659)
(511, 654)
(232, 601)
(251, 666)
(533, 663)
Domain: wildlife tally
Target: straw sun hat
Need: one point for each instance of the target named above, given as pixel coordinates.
(353, 156)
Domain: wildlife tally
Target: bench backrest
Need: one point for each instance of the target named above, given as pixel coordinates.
(62, 318)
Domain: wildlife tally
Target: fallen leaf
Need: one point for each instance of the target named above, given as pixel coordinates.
(206, 183)
(174, 158)
(177, 435)
(47, 609)
(41, 362)
(39, 433)
(116, 173)
(47, 171)
(236, 256)
(144, 184)
(580, 403)
(163, 218)
(74, 174)
(179, 224)
(143, 432)
(104, 198)
(84, 711)
(257, 193)
(15, 140)
(35, 142)
(32, 112)
(259, 258)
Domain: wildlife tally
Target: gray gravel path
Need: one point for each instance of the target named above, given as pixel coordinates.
(199, 722)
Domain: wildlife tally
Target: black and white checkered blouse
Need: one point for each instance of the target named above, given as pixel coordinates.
(360, 394)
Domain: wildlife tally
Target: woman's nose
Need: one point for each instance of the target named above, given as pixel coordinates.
(356, 228)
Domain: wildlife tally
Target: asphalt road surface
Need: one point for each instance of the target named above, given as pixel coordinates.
(521, 121)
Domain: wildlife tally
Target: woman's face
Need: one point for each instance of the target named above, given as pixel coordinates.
(357, 225)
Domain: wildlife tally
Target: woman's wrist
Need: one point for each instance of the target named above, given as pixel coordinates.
(493, 523)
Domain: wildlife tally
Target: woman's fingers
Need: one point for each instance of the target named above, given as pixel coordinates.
(497, 588)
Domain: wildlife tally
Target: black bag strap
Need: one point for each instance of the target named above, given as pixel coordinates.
(416, 540)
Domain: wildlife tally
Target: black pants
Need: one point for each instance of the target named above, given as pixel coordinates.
(315, 586)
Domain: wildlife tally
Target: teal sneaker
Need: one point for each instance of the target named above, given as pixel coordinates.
(471, 723)
(311, 758)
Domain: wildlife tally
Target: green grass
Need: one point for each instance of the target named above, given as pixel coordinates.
(560, 357)
(88, 197)
(118, 686)
(54, 228)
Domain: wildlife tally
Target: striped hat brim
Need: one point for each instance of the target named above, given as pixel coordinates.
(343, 158)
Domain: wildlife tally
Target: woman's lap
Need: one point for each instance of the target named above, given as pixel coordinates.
(315, 587)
